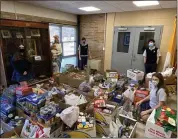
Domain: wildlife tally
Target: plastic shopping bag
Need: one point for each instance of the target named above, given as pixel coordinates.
(70, 115)
(71, 99)
(114, 128)
(129, 94)
(28, 129)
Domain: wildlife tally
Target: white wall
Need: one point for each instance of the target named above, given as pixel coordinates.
(28, 9)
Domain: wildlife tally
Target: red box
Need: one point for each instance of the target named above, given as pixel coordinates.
(140, 94)
(24, 91)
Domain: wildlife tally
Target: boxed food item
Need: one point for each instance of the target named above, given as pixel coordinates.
(136, 75)
(154, 128)
(112, 74)
(24, 90)
(31, 103)
(140, 94)
(47, 114)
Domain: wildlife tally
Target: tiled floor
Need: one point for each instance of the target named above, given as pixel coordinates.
(172, 103)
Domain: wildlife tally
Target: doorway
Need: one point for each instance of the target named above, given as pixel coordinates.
(129, 44)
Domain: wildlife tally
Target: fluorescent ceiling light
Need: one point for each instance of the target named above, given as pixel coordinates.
(89, 9)
(145, 3)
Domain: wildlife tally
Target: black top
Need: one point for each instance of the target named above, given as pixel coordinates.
(83, 50)
(151, 56)
(20, 64)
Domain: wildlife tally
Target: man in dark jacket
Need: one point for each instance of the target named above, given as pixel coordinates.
(151, 57)
(83, 53)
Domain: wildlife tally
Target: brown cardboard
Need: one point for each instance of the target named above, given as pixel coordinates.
(16, 131)
(75, 82)
(170, 80)
(61, 78)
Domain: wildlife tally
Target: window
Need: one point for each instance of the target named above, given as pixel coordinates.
(123, 42)
(67, 37)
(143, 41)
(54, 30)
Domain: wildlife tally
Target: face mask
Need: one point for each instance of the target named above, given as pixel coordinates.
(155, 83)
(151, 44)
(22, 50)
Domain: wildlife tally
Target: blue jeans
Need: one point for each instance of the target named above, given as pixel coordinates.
(59, 61)
(145, 106)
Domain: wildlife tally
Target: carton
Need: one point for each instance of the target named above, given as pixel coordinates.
(135, 76)
(104, 117)
(61, 78)
(154, 131)
(112, 74)
(14, 132)
(104, 129)
(90, 131)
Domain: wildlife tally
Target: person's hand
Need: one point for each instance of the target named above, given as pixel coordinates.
(79, 58)
(25, 73)
(138, 103)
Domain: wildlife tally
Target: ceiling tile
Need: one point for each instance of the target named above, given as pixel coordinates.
(168, 4)
(105, 6)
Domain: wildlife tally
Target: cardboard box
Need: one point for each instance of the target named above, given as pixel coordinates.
(75, 82)
(61, 78)
(57, 132)
(154, 131)
(170, 80)
(112, 74)
(103, 130)
(95, 64)
(133, 122)
(14, 132)
(104, 117)
(135, 76)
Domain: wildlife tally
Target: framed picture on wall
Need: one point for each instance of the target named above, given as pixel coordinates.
(126, 39)
(35, 32)
(19, 35)
(6, 34)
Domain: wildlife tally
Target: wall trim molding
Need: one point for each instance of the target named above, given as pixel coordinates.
(8, 15)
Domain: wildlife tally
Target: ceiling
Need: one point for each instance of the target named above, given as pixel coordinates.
(105, 6)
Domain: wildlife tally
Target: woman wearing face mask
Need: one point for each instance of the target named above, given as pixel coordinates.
(21, 67)
(151, 57)
(156, 98)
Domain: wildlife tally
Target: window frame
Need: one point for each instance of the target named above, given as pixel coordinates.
(61, 42)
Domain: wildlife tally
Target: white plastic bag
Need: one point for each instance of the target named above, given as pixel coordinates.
(129, 94)
(70, 115)
(71, 99)
(82, 100)
(28, 130)
(114, 128)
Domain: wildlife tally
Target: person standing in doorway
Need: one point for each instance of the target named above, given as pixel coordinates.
(83, 53)
(56, 51)
(151, 57)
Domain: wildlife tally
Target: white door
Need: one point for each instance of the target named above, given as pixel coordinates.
(122, 48)
(142, 35)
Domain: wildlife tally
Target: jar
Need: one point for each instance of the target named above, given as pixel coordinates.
(57, 118)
